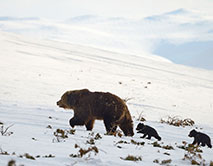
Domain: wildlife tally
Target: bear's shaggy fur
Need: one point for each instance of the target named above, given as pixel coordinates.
(89, 106)
(200, 138)
(147, 130)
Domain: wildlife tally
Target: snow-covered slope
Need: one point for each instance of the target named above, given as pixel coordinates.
(173, 35)
(35, 73)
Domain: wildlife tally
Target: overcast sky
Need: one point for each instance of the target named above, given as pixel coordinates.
(63, 9)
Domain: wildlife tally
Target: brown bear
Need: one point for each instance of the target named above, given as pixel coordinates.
(89, 106)
(200, 138)
(147, 130)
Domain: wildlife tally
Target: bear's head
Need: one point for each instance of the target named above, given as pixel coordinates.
(127, 128)
(192, 133)
(140, 126)
(69, 99)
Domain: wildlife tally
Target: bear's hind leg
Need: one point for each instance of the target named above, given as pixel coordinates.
(203, 144)
(209, 145)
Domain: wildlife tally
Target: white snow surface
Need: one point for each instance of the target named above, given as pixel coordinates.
(182, 36)
(36, 72)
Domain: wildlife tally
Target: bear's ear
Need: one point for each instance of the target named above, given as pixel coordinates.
(194, 131)
(141, 125)
(83, 92)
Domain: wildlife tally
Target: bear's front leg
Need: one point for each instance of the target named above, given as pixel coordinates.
(108, 125)
(144, 136)
(194, 142)
(89, 124)
(149, 136)
(76, 121)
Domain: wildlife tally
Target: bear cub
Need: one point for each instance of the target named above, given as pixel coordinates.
(147, 130)
(200, 138)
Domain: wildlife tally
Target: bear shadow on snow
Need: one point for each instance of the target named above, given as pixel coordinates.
(200, 138)
(147, 130)
(89, 106)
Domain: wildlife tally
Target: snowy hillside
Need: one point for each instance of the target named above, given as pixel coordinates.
(35, 73)
(182, 36)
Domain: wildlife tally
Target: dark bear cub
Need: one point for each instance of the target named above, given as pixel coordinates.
(147, 130)
(200, 138)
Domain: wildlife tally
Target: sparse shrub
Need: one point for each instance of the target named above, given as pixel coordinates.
(190, 147)
(83, 152)
(61, 134)
(77, 146)
(97, 136)
(91, 141)
(132, 158)
(166, 161)
(71, 131)
(192, 154)
(116, 133)
(92, 138)
(28, 156)
(156, 161)
(120, 134)
(156, 144)
(194, 162)
(168, 147)
(137, 143)
(49, 156)
(121, 142)
(127, 99)
(3, 152)
(34, 139)
(4, 131)
(74, 155)
(177, 121)
(11, 163)
(166, 153)
(141, 117)
(49, 127)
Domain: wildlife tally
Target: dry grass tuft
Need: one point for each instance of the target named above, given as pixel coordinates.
(177, 121)
(132, 158)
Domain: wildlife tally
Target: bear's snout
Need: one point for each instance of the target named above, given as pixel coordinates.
(60, 104)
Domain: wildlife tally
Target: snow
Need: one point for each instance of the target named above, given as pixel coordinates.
(36, 72)
(182, 29)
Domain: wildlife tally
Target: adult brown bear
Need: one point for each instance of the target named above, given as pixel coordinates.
(89, 106)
